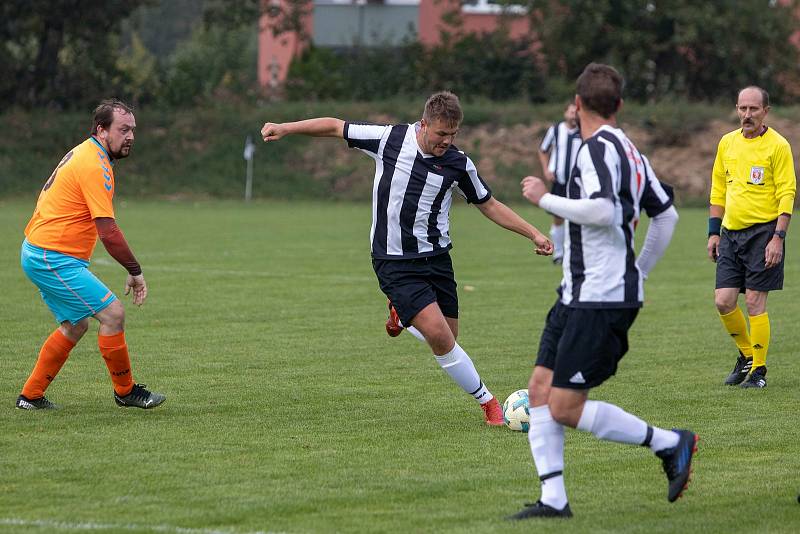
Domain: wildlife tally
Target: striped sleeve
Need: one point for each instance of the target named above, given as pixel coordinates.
(549, 138)
(472, 185)
(364, 136)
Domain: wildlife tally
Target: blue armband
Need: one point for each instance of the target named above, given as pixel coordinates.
(714, 226)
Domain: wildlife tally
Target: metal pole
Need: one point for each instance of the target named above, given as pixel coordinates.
(248, 187)
(249, 150)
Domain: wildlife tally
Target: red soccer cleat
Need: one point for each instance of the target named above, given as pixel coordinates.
(493, 413)
(393, 324)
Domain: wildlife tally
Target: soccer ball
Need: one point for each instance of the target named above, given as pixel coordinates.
(515, 411)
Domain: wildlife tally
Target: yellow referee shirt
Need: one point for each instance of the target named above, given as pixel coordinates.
(753, 179)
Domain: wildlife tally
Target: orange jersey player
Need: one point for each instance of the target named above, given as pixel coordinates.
(74, 208)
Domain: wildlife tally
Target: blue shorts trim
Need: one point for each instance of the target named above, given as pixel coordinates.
(69, 289)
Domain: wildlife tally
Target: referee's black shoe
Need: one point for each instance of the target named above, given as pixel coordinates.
(757, 379)
(677, 463)
(540, 509)
(740, 370)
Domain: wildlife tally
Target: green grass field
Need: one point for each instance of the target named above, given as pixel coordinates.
(290, 410)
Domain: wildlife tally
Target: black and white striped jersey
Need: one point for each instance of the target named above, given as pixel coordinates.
(412, 191)
(563, 144)
(599, 261)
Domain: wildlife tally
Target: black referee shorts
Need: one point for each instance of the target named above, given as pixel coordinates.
(741, 259)
(582, 346)
(413, 284)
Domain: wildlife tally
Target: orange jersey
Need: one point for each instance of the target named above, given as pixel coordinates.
(80, 190)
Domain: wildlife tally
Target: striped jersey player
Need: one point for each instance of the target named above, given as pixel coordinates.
(557, 153)
(586, 331)
(418, 170)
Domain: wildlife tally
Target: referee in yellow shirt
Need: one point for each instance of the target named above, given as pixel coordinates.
(752, 193)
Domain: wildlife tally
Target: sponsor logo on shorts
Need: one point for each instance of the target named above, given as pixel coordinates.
(577, 378)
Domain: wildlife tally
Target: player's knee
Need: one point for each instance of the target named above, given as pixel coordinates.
(724, 304)
(539, 388)
(113, 316)
(75, 332)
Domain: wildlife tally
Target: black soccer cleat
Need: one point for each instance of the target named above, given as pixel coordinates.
(139, 397)
(740, 370)
(757, 378)
(677, 463)
(24, 403)
(540, 509)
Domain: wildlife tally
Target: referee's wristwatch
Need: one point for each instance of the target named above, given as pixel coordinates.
(781, 233)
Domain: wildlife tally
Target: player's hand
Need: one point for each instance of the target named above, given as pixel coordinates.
(138, 286)
(544, 247)
(272, 131)
(533, 189)
(713, 248)
(774, 252)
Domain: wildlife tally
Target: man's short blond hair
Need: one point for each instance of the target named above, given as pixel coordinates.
(445, 107)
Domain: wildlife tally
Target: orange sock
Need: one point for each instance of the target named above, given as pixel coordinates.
(115, 353)
(52, 356)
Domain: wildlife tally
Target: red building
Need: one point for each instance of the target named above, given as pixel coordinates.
(343, 23)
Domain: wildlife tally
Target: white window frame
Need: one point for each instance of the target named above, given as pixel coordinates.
(485, 7)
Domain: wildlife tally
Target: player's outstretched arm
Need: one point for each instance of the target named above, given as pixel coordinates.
(504, 216)
(319, 127)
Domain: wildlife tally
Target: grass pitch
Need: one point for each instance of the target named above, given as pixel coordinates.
(290, 410)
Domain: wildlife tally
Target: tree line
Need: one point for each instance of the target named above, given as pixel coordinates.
(68, 54)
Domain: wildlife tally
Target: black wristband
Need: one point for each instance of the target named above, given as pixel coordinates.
(714, 226)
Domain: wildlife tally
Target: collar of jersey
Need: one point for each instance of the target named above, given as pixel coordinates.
(100, 145)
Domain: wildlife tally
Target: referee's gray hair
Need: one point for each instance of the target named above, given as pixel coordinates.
(443, 106)
(764, 95)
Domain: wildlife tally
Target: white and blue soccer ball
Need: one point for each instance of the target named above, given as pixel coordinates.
(515, 411)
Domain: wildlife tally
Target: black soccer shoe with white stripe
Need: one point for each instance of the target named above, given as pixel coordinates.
(24, 403)
(757, 379)
(139, 397)
(740, 370)
(540, 509)
(677, 463)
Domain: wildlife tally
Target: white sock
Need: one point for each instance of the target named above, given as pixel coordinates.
(416, 333)
(612, 423)
(557, 234)
(459, 366)
(546, 438)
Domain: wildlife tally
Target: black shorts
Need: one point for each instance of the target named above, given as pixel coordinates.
(559, 189)
(582, 346)
(411, 285)
(741, 259)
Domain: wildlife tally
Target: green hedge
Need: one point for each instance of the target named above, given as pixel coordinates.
(198, 152)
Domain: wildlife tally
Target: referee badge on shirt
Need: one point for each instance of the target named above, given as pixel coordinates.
(757, 175)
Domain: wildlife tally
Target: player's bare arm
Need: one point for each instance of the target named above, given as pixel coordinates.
(319, 127)
(116, 245)
(504, 216)
(714, 212)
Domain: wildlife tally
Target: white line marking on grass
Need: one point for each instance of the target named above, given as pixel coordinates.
(91, 525)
